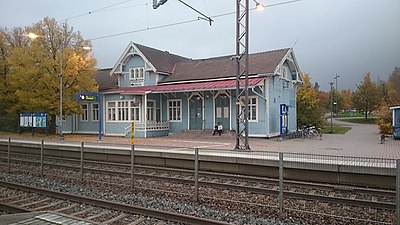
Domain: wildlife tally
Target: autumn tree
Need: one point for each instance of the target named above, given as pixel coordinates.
(384, 117)
(345, 96)
(308, 108)
(324, 101)
(34, 70)
(367, 96)
(393, 87)
(9, 39)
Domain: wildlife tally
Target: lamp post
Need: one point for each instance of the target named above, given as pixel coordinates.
(331, 83)
(336, 94)
(61, 92)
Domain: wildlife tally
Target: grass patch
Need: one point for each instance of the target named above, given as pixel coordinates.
(335, 129)
(350, 114)
(370, 120)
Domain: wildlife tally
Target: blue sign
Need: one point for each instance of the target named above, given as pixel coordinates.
(87, 97)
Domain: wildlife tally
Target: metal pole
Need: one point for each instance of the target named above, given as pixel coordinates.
(82, 150)
(133, 153)
(41, 158)
(9, 154)
(132, 165)
(100, 117)
(280, 184)
(61, 92)
(398, 191)
(331, 83)
(196, 174)
(336, 95)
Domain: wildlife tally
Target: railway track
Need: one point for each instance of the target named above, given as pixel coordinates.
(357, 196)
(21, 198)
(299, 196)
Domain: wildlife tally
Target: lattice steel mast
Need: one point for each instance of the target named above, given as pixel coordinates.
(242, 73)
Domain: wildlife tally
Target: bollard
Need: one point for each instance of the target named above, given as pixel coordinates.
(196, 174)
(382, 138)
(41, 158)
(132, 165)
(280, 184)
(398, 191)
(82, 150)
(9, 154)
(320, 133)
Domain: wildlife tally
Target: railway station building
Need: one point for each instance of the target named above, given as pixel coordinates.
(164, 93)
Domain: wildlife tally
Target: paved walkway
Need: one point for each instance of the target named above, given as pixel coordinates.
(362, 140)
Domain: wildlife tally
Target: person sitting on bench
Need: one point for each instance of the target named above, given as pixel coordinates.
(218, 129)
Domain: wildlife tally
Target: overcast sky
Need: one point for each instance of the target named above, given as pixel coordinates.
(329, 37)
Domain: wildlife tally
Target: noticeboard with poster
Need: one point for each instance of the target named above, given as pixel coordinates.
(36, 120)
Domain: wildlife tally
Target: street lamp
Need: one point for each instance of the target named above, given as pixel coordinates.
(336, 94)
(259, 6)
(331, 83)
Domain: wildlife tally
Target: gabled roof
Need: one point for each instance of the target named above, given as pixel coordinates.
(105, 81)
(163, 61)
(183, 70)
(160, 61)
(225, 67)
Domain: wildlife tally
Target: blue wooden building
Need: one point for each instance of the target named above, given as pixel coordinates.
(396, 121)
(164, 93)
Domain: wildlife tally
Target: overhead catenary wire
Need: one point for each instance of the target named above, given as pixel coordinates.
(102, 9)
(183, 22)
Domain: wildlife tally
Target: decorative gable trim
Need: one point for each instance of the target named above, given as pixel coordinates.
(294, 67)
(130, 51)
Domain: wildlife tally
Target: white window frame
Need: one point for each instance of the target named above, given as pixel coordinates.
(151, 111)
(176, 110)
(136, 76)
(112, 111)
(136, 73)
(84, 117)
(95, 112)
(251, 106)
(123, 110)
(134, 111)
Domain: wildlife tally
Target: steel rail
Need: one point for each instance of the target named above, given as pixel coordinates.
(291, 194)
(163, 215)
(389, 193)
(12, 208)
(297, 195)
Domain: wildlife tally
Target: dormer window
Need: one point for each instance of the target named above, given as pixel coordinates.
(136, 76)
(285, 72)
(136, 73)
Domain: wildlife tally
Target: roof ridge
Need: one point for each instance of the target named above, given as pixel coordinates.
(158, 50)
(230, 56)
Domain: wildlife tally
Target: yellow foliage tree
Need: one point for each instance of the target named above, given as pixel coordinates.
(35, 70)
(384, 118)
(309, 111)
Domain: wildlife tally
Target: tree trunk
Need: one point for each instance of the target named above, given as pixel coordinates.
(52, 125)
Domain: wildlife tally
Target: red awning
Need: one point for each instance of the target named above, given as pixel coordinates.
(195, 86)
